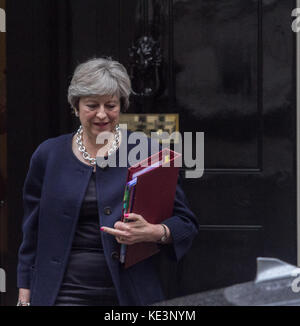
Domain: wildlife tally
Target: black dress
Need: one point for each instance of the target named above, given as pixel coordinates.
(87, 280)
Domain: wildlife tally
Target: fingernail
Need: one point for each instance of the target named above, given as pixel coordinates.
(102, 229)
(126, 215)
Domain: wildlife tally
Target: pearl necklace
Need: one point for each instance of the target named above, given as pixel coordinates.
(86, 155)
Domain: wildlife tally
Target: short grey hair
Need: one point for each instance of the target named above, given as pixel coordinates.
(100, 76)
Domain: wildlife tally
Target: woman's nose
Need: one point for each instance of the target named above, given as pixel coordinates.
(101, 114)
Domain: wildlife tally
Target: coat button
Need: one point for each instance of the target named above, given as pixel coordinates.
(107, 211)
(115, 255)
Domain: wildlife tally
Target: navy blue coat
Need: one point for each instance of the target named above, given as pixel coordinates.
(53, 192)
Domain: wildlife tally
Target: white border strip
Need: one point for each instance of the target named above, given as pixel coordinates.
(298, 141)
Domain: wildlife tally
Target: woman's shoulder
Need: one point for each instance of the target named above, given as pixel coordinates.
(54, 141)
(51, 144)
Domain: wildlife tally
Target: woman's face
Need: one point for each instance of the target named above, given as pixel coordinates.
(99, 113)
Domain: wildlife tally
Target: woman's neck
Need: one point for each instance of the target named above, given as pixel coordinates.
(90, 144)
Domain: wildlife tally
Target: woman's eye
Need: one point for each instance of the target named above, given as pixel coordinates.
(110, 106)
(91, 106)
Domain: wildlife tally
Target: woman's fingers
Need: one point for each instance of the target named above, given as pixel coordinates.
(133, 217)
(115, 232)
(134, 230)
(135, 220)
(121, 236)
(121, 226)
(122, 240)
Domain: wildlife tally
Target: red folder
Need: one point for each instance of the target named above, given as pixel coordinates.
(153, 198)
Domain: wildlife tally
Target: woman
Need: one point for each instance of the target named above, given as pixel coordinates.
(64, 258)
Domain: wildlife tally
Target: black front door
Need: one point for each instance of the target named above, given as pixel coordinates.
(234, 76)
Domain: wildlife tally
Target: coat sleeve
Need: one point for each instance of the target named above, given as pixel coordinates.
(183, 224)
(31, 203)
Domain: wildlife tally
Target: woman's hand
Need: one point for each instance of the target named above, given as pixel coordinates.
(137, 229)
(24, 296)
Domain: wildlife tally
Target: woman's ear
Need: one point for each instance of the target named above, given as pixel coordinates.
(76, 107)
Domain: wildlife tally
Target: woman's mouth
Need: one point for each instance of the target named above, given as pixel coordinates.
(101, 124)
